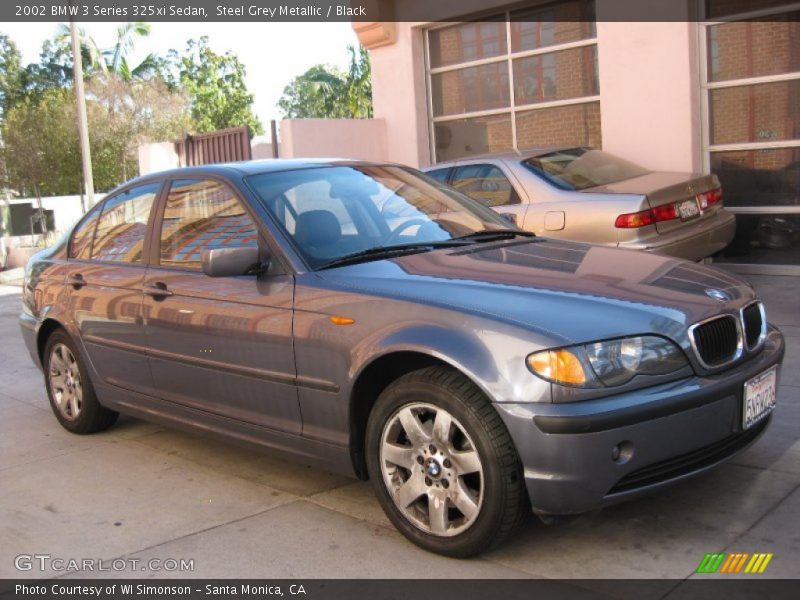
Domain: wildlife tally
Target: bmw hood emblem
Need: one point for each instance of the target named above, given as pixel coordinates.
(718, 295)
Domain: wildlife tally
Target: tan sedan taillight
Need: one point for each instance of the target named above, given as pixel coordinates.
(665, 212)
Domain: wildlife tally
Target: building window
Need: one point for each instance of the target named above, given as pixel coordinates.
(522, 79)
(751, 137)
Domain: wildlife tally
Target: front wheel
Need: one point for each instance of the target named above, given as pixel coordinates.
(443, 465)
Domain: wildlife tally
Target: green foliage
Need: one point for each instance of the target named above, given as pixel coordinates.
(359, 84)
(52, 72)
(324, 92)
(41, 151)
(215, 84)
(11, 74)
(158, 99)
(125, 114)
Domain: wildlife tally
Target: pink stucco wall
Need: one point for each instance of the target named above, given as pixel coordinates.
(649, 93)
(335, 138)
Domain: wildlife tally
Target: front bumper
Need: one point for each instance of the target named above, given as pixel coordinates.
(674, 431)
(695, 242)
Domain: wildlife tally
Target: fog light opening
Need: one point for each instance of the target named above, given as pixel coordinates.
(622, 452)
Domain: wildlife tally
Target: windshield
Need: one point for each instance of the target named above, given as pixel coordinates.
(582, 168)
(333, 212)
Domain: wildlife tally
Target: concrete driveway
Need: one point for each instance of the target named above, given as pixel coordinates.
(143, 492)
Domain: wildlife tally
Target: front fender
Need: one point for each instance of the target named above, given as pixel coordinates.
(494, 362)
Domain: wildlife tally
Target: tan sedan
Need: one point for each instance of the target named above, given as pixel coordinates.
(593, 196)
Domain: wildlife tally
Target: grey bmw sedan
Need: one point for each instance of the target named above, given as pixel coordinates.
(368, 319)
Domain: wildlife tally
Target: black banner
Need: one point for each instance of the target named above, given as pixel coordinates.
(377, 10)
(411, 589)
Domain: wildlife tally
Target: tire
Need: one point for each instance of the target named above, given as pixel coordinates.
(69, 389)
(442, 505)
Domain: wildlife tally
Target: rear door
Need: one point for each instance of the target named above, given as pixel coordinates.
(106, 271)
(491, 186)
(220, 345)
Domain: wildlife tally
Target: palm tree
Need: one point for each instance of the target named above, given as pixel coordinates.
(126, 34)
(345, 95)
(359, 83)
(114, 60)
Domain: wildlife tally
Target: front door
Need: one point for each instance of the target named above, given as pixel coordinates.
(105, 273)
(220, 345)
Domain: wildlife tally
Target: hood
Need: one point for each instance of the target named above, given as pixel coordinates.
(568, 291)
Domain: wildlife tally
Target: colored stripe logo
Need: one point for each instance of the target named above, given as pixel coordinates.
(737, 562)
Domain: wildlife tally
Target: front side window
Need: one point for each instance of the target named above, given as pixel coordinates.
(202, 214)
(332, 212)
(123, 223)
(485, 183)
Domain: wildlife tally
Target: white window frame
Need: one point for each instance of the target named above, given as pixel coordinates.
(509, 58)
(707, 86)
(708, 147)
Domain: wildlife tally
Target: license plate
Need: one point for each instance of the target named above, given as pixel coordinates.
(688, 209)
(759, 397)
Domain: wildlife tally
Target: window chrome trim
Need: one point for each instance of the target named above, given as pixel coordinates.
(739, 341)
(752, 14)
(763, 333)
(756, 80)
(511, 56)
(518, 108)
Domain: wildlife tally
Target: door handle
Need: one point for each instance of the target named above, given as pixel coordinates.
(76, 281)
(157, 290)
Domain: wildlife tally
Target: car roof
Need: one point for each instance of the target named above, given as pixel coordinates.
(257, 167)
(507, 155)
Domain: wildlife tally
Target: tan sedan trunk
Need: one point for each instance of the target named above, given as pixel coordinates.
(662, 189)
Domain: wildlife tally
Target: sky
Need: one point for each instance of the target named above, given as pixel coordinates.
(273, 53)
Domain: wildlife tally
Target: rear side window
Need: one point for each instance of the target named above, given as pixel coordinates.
(122, 225)
(202, 214)
(485, 183)
(439, 174)
(81, 244)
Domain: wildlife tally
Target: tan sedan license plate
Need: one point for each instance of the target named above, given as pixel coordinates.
(688, 209)
(759, 397)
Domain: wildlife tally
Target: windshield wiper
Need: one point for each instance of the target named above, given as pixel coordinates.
(495, 234)
(388, 251)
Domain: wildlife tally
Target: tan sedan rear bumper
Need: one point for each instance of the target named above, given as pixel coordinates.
(708, 238)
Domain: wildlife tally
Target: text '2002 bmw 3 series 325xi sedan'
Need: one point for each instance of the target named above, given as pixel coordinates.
(368, 319)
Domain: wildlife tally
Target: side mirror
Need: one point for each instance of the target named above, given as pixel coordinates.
(231, 262)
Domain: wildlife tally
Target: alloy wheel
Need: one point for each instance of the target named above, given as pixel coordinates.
(65, 382)
(432, 469)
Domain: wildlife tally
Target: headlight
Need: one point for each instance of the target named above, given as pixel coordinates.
(608, 363)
